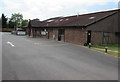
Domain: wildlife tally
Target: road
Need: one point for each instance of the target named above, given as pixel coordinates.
(0, 56)
(27, 58)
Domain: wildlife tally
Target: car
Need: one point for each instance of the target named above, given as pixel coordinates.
(21, 32)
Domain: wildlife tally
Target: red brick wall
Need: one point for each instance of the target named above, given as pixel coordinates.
(55, 32)
(75, 35)
(109, 24)
(113, 38)
(97, 38)
(44, 36)
(63, 38)
(50, 33)
(72, 35)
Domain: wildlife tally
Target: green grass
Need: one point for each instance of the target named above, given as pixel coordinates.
(109, 52)
(113, 47)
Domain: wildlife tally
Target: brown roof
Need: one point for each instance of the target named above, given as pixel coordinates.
(34, 23)
(76, 20)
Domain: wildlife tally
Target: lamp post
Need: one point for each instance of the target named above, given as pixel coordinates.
(89, 45)
(106, 48)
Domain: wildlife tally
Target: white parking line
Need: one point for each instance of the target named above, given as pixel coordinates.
(10, 44)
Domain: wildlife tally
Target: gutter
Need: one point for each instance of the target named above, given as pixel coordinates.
(60, 27)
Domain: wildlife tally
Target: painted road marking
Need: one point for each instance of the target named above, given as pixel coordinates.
(10, 44)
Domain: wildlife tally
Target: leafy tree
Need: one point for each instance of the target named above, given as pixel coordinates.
(0, 23)
(11, 24)
(24, 23)
(16, 20)
(4, 21)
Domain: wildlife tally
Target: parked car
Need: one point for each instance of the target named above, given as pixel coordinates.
(21, 32)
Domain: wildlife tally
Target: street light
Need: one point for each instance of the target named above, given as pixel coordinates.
(106, 48)
(89, 45)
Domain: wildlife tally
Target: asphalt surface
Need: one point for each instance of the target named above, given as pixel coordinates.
(0, 56)
(26, 58)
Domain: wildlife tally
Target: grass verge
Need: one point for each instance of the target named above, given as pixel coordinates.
(115, 54)
(112, 48)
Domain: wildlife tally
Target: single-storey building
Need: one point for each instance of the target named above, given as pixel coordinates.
(95, 28)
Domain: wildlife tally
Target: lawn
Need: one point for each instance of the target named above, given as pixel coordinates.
(111, 49)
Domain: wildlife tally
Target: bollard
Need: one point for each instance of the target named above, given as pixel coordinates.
(89, 45)
(106, 48)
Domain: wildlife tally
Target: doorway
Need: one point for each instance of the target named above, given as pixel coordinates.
(88, 37)
(61, 33)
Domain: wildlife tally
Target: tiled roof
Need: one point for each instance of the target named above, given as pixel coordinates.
(76, 20)
(35, 23)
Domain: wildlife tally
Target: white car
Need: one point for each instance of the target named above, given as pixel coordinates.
(21, 33)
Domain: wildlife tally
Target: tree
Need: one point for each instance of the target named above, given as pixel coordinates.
(4, 21)
(24, 23)
(0, 23)
(16, 19)
(11, 24)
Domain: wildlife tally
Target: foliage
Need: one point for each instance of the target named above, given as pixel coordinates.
(116, 54)
(11, 24)
(4, 21)
(16, 20)
(24, 23)
(113, 47)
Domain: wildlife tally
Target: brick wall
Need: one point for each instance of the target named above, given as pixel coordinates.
(110, 25)
(98, 38)
(50, 31)
(72, 35)
(55, 33)
(75, 35)
(113, 38)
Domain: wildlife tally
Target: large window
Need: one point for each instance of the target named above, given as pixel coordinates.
(106, 34)
(44, 31)
(38, 32)
(61, 31)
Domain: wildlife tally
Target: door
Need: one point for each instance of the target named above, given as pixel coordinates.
(88, 37)
(60, 34)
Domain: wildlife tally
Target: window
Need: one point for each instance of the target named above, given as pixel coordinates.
(61, 31)
(50, 20)
(38, 32)
(44, 30)
(43, 33)
(91, 17)
(106, 34)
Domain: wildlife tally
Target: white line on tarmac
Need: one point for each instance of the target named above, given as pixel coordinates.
(10, 44)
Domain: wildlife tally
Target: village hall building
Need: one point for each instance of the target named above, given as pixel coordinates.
(94, 28)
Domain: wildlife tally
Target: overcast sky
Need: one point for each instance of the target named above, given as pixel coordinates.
(44, 9)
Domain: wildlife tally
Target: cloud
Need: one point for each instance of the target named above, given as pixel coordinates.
(44, 9)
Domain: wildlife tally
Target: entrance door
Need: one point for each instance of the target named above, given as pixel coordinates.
(60, 34)
(88, 37)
